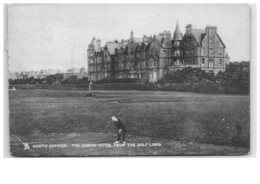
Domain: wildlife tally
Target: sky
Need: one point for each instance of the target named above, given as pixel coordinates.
(57, 36)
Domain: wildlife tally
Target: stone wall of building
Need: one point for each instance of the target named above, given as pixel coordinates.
(151, 57)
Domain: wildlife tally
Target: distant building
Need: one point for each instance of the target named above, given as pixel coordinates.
(79, 73)
(151, 57)
(82, 73)
(40, 76)
(67, 75)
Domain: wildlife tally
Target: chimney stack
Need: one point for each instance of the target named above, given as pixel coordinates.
(188, 28)
(98, 45)
(211, 30)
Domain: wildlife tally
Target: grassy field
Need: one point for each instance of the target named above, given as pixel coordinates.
(185, 123)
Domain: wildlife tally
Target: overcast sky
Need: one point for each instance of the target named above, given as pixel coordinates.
(57, 36)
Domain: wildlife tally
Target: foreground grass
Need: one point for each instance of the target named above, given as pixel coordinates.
(200, 118)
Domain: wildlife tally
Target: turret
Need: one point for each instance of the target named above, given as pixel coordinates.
(91, 58)
(177, 36)
(91, 47)
(98, 45)
(93, 41)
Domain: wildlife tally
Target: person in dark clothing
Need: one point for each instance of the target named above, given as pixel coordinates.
(121, 129)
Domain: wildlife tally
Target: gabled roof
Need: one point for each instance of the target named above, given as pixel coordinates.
(159, 38)
(227, 56)
(221, 41)
(198, 34)
(111, 46)
(121, 45)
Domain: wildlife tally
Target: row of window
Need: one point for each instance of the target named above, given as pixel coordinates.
(211, 62)
(154, 63)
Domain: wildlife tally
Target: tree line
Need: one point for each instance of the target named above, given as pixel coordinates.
(51, 79)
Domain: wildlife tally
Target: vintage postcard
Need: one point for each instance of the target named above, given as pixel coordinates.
(128, 79)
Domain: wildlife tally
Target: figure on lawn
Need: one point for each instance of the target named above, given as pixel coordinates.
(121, 130)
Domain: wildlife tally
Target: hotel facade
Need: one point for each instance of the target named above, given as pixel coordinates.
(149, 58)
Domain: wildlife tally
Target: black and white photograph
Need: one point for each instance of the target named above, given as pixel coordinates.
(128, 79)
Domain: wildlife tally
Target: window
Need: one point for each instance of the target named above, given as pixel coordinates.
(210, 51)
(211, 63)
(177, 62)
(195, 61)
(220, 51)
(177, 53)
(151, 61)
(203, 51)
(144, 64)
(203, 62)
(220, 62)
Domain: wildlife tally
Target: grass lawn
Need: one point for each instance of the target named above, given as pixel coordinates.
(185, 123)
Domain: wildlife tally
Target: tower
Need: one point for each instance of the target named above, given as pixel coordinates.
(165, 54)
(177, 38)
(132, 35)
(91, 60)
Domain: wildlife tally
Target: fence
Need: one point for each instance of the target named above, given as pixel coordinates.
(203, 87)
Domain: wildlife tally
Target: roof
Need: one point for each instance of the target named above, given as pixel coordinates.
(177, 35)
(111, 46)
(227, 56)
(198, 34)
(159, 38)
(121, 45)
(124, 42)
(138, 39)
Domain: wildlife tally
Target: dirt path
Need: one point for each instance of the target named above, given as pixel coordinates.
(101, 144)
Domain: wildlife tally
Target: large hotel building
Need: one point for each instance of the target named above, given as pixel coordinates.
(151, 57)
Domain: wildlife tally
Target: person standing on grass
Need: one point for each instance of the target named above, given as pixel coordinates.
(121, 130)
